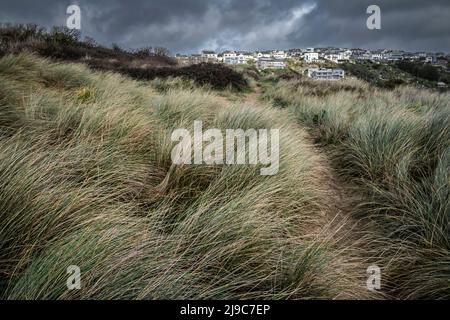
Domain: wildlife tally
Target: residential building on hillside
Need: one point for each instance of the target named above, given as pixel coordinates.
(247, 56)
(336, 57)
(196, 58)
(182, 59)
(394, 56)
(360, 54)
(209, 56)
(185, 60)
(233, 58)
(270, 63)
(293, 53)
(311, 57)
(263, 54)
(229, 57)
(377, 56)
(279, 54)
(325, 74)
(431, 59)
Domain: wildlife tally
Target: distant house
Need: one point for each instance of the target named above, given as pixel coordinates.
(431, 59)
(196, 58)
(360, 55)
(209, 56)
(279, 54)
(263, 54)
(421, 54)
(394, 56)
(235, 58)
(410, 56)
(185, 60)
(230, 57)
(310, 57)
(441, 85)
(325, 74)
(336, 57)
(293, 53)
(270, 63)
(377, 56)
(245, 57)
(332, 57)
(182, 59)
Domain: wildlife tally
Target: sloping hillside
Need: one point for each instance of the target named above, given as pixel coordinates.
(392, 147)
(86, 179)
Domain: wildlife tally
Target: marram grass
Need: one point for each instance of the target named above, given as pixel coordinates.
(86, 179)
(394, 146)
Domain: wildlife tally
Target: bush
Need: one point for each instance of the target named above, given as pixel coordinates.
(424, 71)
(216, 76)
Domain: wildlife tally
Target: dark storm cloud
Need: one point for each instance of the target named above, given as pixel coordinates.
(406, 24)
(190, 25)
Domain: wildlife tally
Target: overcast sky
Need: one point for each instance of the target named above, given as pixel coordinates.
(188, 26)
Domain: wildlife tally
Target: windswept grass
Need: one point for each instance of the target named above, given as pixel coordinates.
(395, 146)
(86, 179)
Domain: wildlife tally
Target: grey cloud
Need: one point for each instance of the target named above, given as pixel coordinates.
(190, 25)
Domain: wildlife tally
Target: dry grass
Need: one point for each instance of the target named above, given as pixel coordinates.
(395, 147)
(86, 179)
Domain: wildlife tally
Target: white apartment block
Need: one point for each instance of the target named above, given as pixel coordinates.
(326, 74)
(333, 57)
(337, 57)
(279, 54)
(209, 56)
(232, 57)
(268, 63)
(311, 57)
(377, 56)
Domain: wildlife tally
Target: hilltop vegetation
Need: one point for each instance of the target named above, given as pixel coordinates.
(66, 44)
(393, 74)
(142, 64)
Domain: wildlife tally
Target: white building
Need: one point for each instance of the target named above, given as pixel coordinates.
(360, 54)
(279, 54)
(247, 56)
(311, 57)
(266, 55)
(333, 57)
(377, 56)
(326, 74)
(232, 57)
(209, 55)
(346, 55)
(337, 57)
(268, 63)
(431, 59)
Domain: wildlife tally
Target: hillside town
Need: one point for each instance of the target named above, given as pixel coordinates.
(278, 59)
